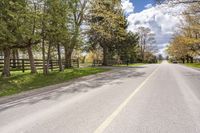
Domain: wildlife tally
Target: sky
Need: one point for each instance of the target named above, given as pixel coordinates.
(163, 20)
(140, 4)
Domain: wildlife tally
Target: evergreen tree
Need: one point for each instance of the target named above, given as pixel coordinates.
(10, 12)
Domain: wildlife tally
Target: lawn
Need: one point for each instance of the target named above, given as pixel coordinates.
(195, 65)
(20, 82)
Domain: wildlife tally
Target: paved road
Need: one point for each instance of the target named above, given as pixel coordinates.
(151, 99)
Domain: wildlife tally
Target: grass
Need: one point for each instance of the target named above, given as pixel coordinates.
(20, 82)
(159, 61)
(195, 65)
(132, 65)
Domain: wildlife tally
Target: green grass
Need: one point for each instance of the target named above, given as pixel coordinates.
(159, 61)
(20, 82)
(195, 65)
(132, 65)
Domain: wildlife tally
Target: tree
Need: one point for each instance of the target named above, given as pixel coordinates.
(54, 21)
(186, 44)
(147, 41)
(160, 57)
(107, 26)
(9, 16)
(126, 49)
(77, 10)
(179, 49)
(57, 26)
(27, 30)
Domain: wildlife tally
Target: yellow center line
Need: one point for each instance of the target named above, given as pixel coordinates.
(110, 118)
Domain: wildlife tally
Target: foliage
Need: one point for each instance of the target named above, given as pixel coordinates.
(107, 26)
(127, 47)
(186, 44)
(58, 29)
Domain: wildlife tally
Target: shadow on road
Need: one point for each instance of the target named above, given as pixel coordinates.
(82, 85)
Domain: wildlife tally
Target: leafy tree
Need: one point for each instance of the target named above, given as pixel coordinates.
(127, 47)
(186, 45)
(107, 26)
(9, 26)
(77, 9)
(28, 30)
(57, 30)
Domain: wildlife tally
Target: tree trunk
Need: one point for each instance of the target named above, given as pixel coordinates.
(31, 59)
(105, 56)
(83, 60)
(43, 57)
(69, 49)
(6, 68)
(187, 58)
(48, 59)
(68, 57)
(59, 58)
(191, 60)
(142, 54)
(183, 60)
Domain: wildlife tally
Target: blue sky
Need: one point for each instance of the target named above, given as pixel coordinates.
(139, 5)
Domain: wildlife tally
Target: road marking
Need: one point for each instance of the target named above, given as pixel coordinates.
(110, 118)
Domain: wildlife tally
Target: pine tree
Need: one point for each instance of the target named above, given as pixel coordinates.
(9, 16)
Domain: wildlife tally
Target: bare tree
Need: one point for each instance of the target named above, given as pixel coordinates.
(147, 41)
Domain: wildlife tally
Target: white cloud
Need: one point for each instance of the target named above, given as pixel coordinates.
(148, 6)
(163, 20)
(127, 6)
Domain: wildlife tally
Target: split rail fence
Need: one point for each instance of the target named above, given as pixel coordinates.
(24, 64)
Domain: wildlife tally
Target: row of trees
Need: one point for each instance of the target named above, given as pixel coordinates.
(53, 26)
(186, 44)
(45, 25)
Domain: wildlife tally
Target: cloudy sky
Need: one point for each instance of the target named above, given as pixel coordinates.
(163, 20)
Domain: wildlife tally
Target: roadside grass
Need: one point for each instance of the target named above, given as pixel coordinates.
(194, 65)
(159, 61)
(20, 82)
(132, 65)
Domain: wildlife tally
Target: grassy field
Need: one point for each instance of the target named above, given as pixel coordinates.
(20, 82)
(195, 65)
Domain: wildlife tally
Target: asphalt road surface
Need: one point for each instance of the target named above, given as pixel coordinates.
(161, 98)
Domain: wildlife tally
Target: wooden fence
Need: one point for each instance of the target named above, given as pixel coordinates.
(24, 64)
(111, 62)
(97, 63)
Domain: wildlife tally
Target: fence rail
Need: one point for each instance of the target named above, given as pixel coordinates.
(24, 64)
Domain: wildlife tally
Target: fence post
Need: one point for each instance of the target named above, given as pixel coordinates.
(23, 67)
(78, 65)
